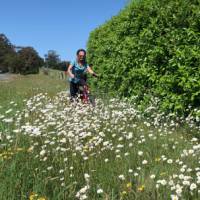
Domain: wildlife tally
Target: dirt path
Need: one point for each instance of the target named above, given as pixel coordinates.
(7, 77)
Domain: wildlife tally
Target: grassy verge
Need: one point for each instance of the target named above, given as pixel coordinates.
(23, 87)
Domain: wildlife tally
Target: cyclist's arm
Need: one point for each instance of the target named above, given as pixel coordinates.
(91, 71)
(69, 71)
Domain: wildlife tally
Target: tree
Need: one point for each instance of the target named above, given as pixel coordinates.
(63, 65)
(6, 49)
(12, 61)
(52, 59)
(29, 61)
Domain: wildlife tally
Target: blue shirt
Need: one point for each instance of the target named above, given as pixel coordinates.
(78, 71)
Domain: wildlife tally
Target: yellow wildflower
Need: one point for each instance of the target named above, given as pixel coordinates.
(129, 185)
(5, 153)
(19, 149)
(33, 196)
(42, 198)
(163, 173)
(85, 148)
(124, 193)
(30, 149)
(157, 159)
(141, 188)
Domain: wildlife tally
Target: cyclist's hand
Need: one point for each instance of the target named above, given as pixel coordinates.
(95, 75)
(72, 76)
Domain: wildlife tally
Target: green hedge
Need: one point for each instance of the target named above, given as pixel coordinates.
(151, 47)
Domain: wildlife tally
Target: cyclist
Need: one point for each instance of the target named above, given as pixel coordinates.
(77, 72)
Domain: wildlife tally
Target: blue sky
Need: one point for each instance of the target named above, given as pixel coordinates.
(60, 25)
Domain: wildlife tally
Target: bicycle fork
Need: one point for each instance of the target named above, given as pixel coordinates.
(85, 95)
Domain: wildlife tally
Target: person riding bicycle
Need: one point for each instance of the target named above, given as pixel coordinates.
(77, 72)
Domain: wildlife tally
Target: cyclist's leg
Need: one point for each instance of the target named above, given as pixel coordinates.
(73, 90)
(82, 82)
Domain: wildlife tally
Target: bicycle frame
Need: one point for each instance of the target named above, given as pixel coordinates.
(85, 96)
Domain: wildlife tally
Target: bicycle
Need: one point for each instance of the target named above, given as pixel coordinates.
(85, 95)
(84, 92)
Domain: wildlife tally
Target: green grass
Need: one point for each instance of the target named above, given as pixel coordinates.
(62, 151)
(24, 87)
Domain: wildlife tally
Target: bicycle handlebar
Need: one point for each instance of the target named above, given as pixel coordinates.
(95, 75)
(83, 76)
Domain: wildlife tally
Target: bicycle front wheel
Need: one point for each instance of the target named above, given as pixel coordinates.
(92, 100)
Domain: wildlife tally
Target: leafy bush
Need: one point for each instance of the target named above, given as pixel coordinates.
(151, 47)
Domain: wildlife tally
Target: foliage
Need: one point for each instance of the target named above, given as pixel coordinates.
(14, 59)
(6, 49)
(30, 60)
(152, 47)
(25, 60)
(63, 66)
(52, 59)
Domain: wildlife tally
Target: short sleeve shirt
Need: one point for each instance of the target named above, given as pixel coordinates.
(78, 71)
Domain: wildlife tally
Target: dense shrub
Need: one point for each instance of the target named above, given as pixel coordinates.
(151, 47)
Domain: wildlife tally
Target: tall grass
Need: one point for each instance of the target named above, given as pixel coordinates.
(51, 149)
(23, 87)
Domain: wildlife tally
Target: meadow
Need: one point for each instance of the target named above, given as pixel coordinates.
(56, 150)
